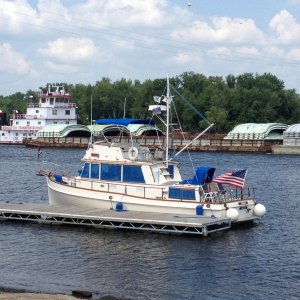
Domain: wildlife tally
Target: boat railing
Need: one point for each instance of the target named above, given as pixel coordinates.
(160, 193)
(121, 188)
(228, 195)
(56, 104)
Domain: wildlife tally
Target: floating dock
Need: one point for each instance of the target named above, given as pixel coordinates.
(129, 220)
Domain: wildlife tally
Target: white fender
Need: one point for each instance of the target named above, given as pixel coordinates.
(133, 153)
(259, 210)
(232, 214)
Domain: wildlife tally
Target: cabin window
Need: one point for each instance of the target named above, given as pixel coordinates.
(171, 170)
(54, 112)
(111, 172)
(188, 195)
(85, 173)
(95, 171)
(37, 111)
(177, 193)
(133, 174)
(67, 112)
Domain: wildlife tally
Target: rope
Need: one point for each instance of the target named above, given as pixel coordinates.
(190, 105)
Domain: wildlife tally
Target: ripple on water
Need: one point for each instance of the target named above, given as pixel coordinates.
(259, 262)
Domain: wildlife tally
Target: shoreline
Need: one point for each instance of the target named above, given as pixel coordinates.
(22, 294)
(37, 296)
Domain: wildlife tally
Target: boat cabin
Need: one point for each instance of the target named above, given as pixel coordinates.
(117, 162)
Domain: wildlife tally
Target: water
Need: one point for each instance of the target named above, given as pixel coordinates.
(260, 262)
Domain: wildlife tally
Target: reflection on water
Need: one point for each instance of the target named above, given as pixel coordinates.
(257, 262)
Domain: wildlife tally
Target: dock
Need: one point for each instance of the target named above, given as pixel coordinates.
(111, 219)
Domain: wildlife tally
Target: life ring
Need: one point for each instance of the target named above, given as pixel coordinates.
(208, 205)
(133, 153)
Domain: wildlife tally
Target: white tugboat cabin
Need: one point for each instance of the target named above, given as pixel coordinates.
(54, 107)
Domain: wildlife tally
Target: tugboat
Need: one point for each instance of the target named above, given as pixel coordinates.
(54, 107)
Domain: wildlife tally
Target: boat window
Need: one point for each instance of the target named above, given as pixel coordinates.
(133, 174)
(110, 172)
(177, 193)
(85, 171)
(171, 170)
(188, 195)
(95, 171)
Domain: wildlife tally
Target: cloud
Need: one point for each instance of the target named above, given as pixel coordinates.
(123, 12)
(274, 51)
(70, 49)
(285, 27)
(187, 59)
(294, 54)
(247, 51)
(221, 30)
(60, 68)
(219, 51)
(14, 15)
(294, 2)
(11, 61)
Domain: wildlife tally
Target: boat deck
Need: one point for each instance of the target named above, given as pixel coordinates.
(133, 220)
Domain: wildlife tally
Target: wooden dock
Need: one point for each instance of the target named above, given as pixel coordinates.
(129, 220)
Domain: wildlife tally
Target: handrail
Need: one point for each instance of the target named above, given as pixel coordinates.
(221, 196)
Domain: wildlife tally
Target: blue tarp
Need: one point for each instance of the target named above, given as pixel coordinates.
(203, 175)
(124, 122)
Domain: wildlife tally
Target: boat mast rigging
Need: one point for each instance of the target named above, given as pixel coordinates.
(168, 121)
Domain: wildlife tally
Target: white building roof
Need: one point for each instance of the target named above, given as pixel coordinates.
(257, 131)
(63, 130)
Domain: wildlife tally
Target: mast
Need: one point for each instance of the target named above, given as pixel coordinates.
(91, 137)
(168, 121)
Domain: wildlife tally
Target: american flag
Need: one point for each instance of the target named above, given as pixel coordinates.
(156, 110)
(236, 179)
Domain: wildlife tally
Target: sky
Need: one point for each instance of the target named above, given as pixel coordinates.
(77, 41)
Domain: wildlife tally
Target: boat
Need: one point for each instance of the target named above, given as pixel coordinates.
(132, 177)
(54, 107)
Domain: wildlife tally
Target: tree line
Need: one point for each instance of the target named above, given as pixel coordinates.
(226, 102)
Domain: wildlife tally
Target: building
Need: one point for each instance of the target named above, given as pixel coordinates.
(257, 131)
(54, 107)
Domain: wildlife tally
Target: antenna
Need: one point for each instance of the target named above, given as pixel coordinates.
(91, 138)
(168, 121)
(92, 109)
(124, 108)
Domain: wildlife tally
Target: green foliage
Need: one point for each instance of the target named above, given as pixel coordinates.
(226, 102)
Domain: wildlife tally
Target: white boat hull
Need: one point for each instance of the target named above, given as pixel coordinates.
(64, 194)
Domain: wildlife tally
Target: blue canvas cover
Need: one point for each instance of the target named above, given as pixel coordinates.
(125, 121)
(203, 175)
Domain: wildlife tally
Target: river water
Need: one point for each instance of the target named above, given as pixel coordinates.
(258, 262)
